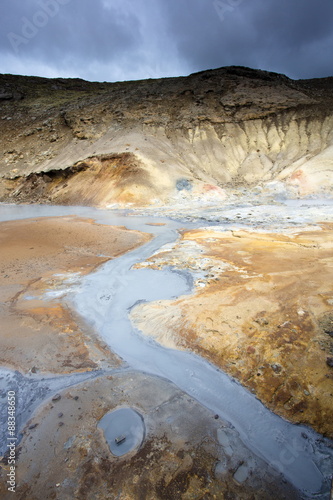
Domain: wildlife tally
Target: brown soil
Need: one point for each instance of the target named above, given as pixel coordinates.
(38, 255)
(64, 455)
(132, 142)
(263, 313)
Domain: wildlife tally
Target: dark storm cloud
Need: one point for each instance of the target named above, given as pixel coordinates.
(82, 29)
(294, 37)
(125, 39)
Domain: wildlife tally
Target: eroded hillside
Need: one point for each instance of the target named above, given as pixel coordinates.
(165, 140)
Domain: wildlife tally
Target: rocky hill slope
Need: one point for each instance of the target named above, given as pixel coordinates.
(164, 141)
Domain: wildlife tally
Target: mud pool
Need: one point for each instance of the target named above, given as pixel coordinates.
(124, 430)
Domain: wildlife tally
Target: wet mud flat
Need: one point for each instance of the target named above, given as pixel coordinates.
(40, 259)
(186, 452)
(261, 311)
(263, 432)
(189, 452)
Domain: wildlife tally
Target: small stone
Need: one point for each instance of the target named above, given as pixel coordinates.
(33, 426)
(216, 417)
(306, 392)
(57, 397)
(69, 443)
(60, 415)
(220, 469)
(261, 321)
(329, 362)
(34, 369)
(241, 474)
(276, 368)
(61, 424)
(76, 398)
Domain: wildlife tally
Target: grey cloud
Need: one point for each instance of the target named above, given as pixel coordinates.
(272, 35)
(126, 39)
(81, 32)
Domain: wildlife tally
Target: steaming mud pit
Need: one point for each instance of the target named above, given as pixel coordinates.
(187, 453)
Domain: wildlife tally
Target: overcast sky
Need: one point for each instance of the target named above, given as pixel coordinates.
(109, 40)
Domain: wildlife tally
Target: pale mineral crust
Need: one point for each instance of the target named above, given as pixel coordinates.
(262, 311)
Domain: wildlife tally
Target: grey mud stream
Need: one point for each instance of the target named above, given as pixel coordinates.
(105, 298)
